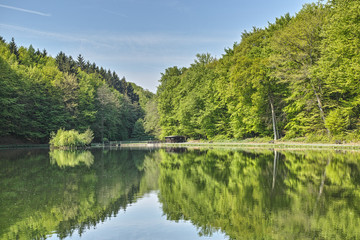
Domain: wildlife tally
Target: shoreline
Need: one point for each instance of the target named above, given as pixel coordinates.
(280, 145)
(276, 145)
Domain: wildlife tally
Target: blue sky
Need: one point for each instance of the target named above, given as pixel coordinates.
(138, 39)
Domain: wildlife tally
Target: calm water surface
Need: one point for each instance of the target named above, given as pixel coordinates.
(179, 194)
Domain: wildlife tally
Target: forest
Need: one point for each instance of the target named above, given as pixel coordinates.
(40, 94)
(296, 79)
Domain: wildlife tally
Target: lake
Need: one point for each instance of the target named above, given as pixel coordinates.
(179, 193)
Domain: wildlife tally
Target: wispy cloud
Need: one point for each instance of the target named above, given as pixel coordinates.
(135, 40)
(53, 35)
(25, 10)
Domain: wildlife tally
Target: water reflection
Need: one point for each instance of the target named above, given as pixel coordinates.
(71, 158)
(244, 194)
(267, 195)
(38, 198)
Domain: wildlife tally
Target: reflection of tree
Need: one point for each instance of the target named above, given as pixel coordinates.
(68, 158)
(245, 194)
(252, 195)
(38, 198)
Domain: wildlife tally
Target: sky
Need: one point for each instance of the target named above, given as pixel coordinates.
(138, 39)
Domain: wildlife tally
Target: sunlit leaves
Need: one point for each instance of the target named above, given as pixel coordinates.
(41, 94)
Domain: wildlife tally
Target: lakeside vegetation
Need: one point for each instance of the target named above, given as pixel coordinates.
(296, 78)
(40, 94)
(71, 139)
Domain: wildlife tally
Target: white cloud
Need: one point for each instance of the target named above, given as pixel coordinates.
(110, 40)
(53, 35)
(25, 10)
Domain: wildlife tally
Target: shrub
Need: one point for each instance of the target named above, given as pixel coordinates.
(71, 138)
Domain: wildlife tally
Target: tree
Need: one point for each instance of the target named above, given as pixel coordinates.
(69, 87)
(13, 48)
(108, 123)
(339, 66)
(297, 50)
(131, 93)
(151, 119)
(11, 107)
(40, 94)
(81, 62)
(138, 131)
(167, 93)
(66, 64)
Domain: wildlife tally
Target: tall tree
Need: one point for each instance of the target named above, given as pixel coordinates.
(13, 48)
(108, 112)
(81, 62)
(167, 95)
(339, 66)
(297, 48)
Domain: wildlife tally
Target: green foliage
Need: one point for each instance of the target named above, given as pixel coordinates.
(296, 78)
(139, 131)
(151, 119)
(40, 94)
(337, 121)
(71, 138)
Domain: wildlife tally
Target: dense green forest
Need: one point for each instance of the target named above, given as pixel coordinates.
(298, 78)
(40, 94)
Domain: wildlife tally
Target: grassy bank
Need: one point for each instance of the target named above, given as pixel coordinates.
(260, 144)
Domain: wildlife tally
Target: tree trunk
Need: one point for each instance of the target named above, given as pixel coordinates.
(322, 114)
(276, 135)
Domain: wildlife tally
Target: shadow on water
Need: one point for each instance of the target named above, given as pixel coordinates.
(247, 194)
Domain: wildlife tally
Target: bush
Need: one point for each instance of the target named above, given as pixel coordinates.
(71, 138)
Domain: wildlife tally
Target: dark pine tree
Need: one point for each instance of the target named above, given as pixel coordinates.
(131, 93)
(81, 62)
(13, 48)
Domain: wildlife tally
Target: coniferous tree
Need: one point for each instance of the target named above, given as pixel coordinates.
(81, 62)
(13, 48)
